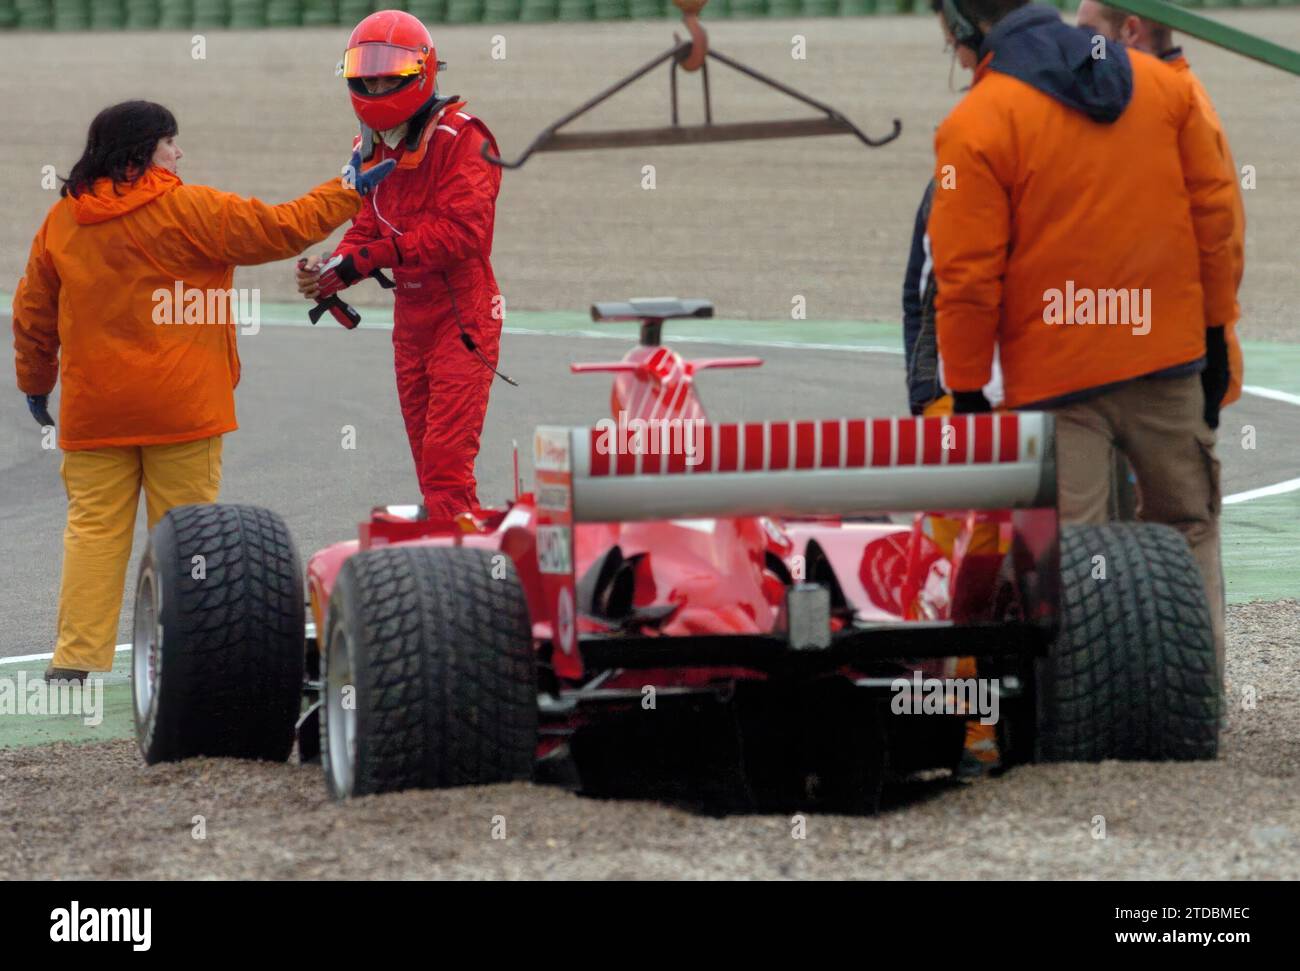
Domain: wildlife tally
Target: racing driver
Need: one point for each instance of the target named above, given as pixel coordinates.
(431, 229)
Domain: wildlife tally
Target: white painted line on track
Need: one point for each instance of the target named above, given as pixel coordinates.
(1257, 391)
(22, 659)
(1277, 489)
(310, 631)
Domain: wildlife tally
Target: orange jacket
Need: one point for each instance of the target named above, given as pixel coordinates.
(1037, 203)
(101, 286)
(1237, 249)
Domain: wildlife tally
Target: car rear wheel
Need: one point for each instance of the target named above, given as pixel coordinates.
(1132, 673)
(428, 671)
(217, 654)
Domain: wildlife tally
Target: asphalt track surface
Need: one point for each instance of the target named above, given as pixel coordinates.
(303, 386)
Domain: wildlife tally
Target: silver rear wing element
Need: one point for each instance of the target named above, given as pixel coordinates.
(678, 468)
(658, 308)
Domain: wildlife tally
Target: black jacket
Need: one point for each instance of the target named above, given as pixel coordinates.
(920, 342)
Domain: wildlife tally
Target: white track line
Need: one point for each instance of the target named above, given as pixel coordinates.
(309, 630)
(1257, 391)
(49, 657)
(1277, 489)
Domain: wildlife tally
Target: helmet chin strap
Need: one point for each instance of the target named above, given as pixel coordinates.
(367, 141)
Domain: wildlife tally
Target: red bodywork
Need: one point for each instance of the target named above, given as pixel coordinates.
(730, 576)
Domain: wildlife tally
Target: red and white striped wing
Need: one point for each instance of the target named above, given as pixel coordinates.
(840, 466)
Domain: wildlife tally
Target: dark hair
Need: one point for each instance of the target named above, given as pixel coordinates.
(990, 11)
(120, 145)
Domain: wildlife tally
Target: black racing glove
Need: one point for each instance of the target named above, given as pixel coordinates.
(969, 402)
(1214, 379)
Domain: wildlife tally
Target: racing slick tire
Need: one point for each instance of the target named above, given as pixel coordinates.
(217, 654)
(1132, 673)
(434, 645)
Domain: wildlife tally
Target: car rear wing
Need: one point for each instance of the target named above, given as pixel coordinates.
(681, 468)
(652, 312)
(846, 467)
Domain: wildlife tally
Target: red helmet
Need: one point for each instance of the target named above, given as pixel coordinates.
(390, 43)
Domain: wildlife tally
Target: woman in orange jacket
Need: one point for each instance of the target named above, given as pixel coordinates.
(127, 299)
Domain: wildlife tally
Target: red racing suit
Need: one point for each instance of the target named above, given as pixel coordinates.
(439, 204)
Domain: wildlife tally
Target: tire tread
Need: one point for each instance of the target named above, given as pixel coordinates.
(233, 656)
(1133, 673)
(448, 694)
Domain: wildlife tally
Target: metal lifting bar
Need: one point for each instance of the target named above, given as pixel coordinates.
(690, 55)
(1213, 32)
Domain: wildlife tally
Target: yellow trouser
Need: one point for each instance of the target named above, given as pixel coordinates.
(103, 486)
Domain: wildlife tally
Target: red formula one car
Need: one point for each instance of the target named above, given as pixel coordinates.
(750, 609)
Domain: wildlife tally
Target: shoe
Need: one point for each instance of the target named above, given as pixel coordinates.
(65, 674)
(972, 767)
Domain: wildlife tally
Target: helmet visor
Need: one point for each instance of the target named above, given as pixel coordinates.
(382, 61)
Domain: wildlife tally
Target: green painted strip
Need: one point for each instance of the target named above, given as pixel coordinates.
(1270, 365)
(1273, 365)
(1259, 542)
(1260, 536)
(811, 334)
(566, 323)
(113, 708)
(876, 335)
(1213, 32)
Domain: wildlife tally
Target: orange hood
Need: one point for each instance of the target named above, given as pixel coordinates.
(107, 200)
